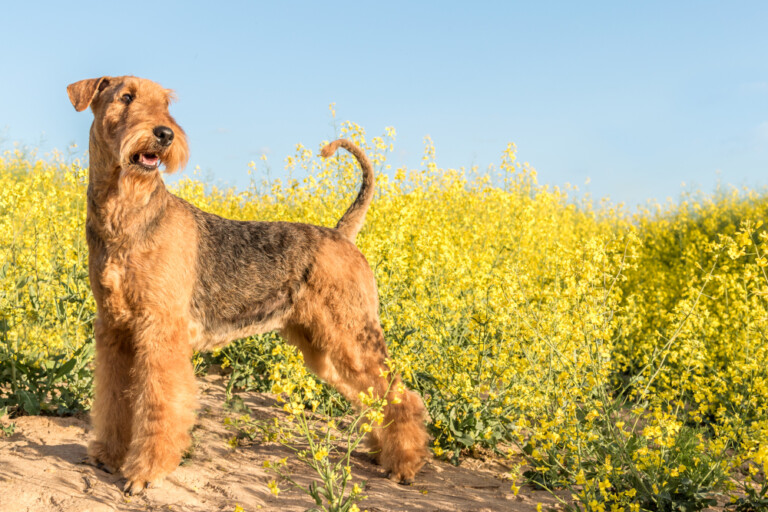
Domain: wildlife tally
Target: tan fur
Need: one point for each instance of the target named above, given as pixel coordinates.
(351, 222)
(168, 278)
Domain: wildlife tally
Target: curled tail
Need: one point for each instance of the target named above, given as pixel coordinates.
(352, 221)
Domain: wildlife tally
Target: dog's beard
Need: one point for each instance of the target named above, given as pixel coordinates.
(141, 152)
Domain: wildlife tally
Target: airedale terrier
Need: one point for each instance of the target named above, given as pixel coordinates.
(169, 278)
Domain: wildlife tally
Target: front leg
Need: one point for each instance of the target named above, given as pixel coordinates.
(111, 413)
(163, 392)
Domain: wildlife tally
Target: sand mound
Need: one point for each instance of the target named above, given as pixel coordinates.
(43, 468)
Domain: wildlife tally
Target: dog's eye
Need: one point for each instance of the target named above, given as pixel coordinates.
(127, 98)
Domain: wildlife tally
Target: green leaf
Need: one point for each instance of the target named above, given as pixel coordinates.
(467, 440)
(65, 369)
(85, 353)
(61, 311)
(29, 402)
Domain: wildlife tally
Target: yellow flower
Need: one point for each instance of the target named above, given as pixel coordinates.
(511, 305)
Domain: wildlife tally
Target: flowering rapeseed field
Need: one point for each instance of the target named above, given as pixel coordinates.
(620, 355)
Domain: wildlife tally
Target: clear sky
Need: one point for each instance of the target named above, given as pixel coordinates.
(639, 97)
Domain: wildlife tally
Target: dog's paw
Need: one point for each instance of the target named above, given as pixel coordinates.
(400, 479)
(96, 463)
(135, 487)
(102, 458)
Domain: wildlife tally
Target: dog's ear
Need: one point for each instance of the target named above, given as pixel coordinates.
(81, 93)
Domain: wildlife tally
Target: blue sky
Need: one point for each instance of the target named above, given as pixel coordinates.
(639, 97)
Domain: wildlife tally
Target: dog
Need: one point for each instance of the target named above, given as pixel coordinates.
(169, 278)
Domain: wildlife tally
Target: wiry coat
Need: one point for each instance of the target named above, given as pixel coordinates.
(168, 277)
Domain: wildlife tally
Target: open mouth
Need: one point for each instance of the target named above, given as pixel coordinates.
(148, 161)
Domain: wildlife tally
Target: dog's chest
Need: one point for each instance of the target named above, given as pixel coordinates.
(108, 269)
(114, 289)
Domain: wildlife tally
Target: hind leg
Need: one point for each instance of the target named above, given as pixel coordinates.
(354, 362)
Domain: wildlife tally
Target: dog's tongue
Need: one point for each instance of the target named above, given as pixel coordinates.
(148, 159)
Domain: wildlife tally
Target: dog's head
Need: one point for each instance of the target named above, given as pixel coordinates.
(132, 122)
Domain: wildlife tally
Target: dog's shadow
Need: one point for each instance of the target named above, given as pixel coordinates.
(62, 465)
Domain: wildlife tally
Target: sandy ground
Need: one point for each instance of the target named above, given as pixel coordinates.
(42, 468)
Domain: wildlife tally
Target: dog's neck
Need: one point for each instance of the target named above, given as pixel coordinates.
(123, 204)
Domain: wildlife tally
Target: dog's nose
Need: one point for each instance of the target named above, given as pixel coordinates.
(164, 135)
